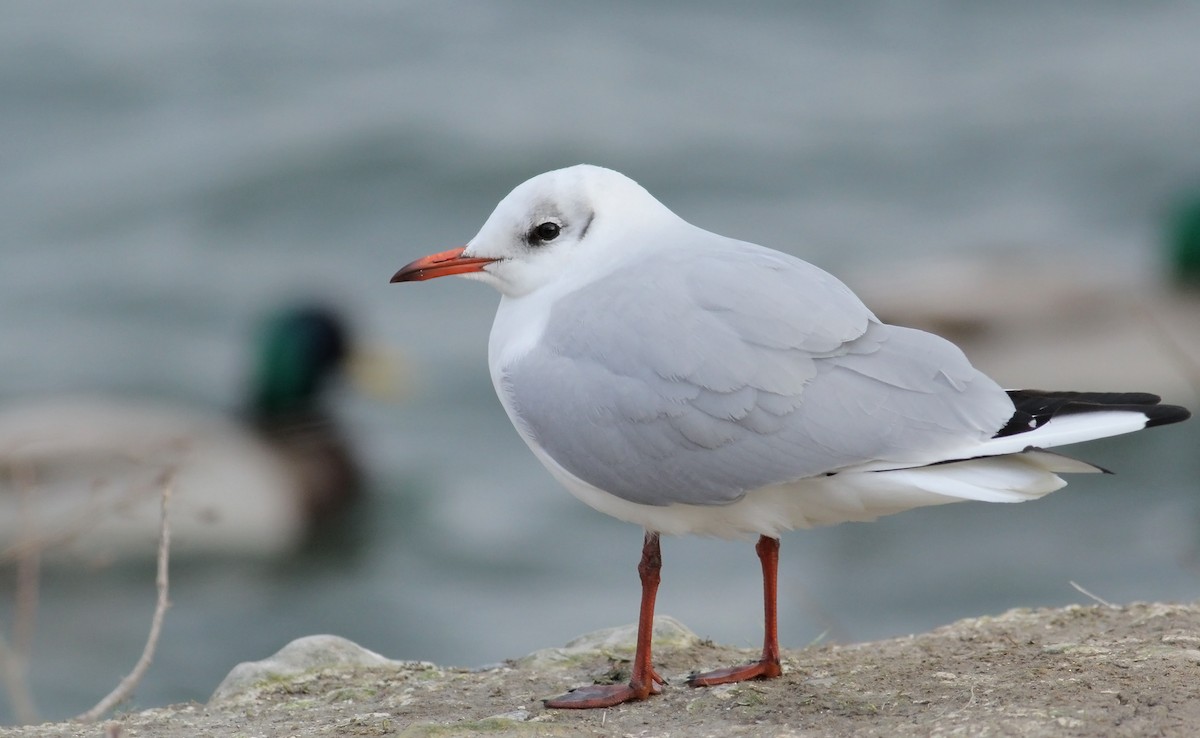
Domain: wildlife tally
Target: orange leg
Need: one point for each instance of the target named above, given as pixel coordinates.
(644, 681)
(768, 667)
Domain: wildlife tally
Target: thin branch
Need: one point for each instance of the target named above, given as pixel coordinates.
(12, 671)
(130, 682)
(14, 660)
(1106, 603)
(29, 566)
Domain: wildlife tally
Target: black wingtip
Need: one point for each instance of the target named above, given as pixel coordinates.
(1034, 408)
(1165, 414)
(1155, 414)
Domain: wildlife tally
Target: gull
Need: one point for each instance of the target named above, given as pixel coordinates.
(693, 383)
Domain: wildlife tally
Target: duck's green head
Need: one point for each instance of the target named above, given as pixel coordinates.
(301, 349)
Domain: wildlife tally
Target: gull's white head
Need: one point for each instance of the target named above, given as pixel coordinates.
(569, 224)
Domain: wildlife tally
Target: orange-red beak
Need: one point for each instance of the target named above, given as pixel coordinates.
(442, 264)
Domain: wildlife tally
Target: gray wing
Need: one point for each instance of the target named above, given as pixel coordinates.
(728, 367)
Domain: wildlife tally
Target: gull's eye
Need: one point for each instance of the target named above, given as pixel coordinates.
(544, 232)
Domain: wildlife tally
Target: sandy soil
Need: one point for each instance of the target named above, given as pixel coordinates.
(1078, 671)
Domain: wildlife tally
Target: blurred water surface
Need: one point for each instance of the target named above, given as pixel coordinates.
(173, 169)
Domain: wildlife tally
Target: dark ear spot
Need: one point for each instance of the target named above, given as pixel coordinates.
(586, 225)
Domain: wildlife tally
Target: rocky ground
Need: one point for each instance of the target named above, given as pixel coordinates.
(1078, 671)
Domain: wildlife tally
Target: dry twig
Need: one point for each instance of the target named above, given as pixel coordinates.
(12, 671)
(130, 682)
(14, 660)
(1104, 602)
(29, 567)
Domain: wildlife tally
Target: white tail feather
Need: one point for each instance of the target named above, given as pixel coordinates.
(1009, 478)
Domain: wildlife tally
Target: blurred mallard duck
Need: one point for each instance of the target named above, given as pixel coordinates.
(85, 474)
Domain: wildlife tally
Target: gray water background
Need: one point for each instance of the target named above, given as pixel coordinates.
(169, 170)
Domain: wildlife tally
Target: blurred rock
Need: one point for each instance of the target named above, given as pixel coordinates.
(621, 640)
(300, 657)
